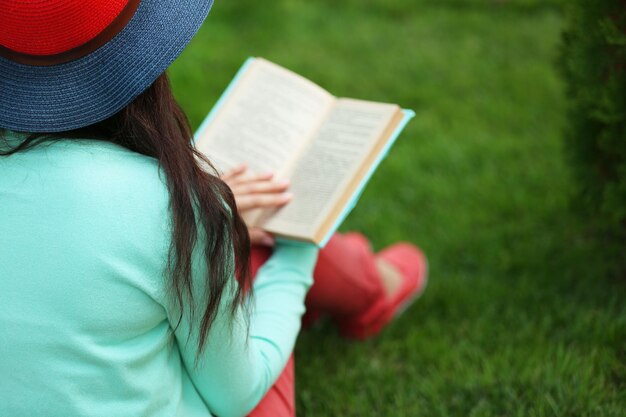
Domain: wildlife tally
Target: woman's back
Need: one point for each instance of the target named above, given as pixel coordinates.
(84, 238)
(88, 327)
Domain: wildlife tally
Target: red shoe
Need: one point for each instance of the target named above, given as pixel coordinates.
(412, 265)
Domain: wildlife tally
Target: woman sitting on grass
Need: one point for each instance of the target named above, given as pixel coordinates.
(125, 268)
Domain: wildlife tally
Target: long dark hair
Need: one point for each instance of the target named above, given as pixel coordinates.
(155, 125)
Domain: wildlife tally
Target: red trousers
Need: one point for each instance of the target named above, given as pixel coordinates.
(345, 266)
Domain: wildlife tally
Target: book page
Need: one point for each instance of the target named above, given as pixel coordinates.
(330, 162)
(266, 119)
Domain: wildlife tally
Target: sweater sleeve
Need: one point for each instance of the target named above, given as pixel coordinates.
(243, 358)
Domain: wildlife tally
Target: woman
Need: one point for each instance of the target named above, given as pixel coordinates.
(124, 269)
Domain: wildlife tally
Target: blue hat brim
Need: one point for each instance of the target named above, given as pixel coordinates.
(88, 90)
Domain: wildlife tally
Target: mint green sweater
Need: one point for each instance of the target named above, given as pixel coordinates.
(85, 320)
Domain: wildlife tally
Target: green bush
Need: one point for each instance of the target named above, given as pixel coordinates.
(594, 64)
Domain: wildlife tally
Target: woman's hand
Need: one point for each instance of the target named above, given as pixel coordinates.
(253, 191)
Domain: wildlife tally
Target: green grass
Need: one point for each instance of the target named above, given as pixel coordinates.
(521, 317)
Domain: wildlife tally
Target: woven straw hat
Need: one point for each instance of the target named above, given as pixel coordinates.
(66, 64)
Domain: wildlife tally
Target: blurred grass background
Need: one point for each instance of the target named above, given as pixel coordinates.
(521, 317)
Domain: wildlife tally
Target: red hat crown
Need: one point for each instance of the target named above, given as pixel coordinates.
(43, 28)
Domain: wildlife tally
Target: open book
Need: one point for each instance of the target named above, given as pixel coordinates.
(275, 120)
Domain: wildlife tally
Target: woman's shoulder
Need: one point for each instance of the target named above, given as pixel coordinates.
(91, 177)
(105, 172)
(104, 205)
(107, 160)
(94, 168)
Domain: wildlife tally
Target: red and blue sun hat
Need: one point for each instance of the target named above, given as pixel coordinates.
(66, 64)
